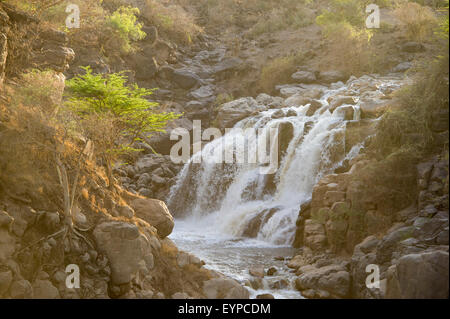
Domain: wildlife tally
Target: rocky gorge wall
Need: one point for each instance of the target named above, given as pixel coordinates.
(118, 240)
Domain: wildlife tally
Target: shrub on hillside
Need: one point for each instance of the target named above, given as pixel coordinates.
(419, 21)
(279, 71)
(112, 114)
(172, 20)
(123, 23)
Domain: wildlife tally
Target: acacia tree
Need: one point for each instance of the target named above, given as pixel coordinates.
(114, 115)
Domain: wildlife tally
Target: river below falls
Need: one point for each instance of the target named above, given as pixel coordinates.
(234, 257)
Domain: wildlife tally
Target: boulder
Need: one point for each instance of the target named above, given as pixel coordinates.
(185, 79)
(419, 276)
(402, 67)
(332, 76)
(224, 288)
(156, 213)
(304, 77)
(334, 279)
(257, 271)
(297, 100)
(122, 243)
(314, 105)
(232, 112)
(314, 233)
(203, 92)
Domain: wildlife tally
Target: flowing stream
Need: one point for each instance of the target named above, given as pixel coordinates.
(234, 217)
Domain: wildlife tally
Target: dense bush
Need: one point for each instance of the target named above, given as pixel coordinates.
(96, 98)
(279, 71)
(123, 23)
(419, 21)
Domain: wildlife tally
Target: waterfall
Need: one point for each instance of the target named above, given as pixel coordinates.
(237, 200)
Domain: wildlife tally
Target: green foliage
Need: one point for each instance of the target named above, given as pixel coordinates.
(124, 23)
(108, 98)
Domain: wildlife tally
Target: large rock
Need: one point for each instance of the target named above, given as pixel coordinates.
(185, 79)
(332, 76)
(224, 288)
(333, 278)
(422, 275)
(314, 233)
(156, 213)
(123, 245)
(232, 112)
(304, 77)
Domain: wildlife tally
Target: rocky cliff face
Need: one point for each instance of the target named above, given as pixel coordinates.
(349, 225)
(119, 240)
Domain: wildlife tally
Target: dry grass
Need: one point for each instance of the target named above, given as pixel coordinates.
(359, 58)
(419, 22)
(172, 20)
(279, 71)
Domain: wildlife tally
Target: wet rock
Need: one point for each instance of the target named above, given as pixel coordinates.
(224, 288)
(280, 284)
(256, 223)
(272, 271)
(156, 213)
(291, 113)
(278, 114)
(232, 112)
(257, 271)
(314, 106)
(341, 100)
(297, 262)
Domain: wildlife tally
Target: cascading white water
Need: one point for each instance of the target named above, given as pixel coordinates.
(231, 199)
